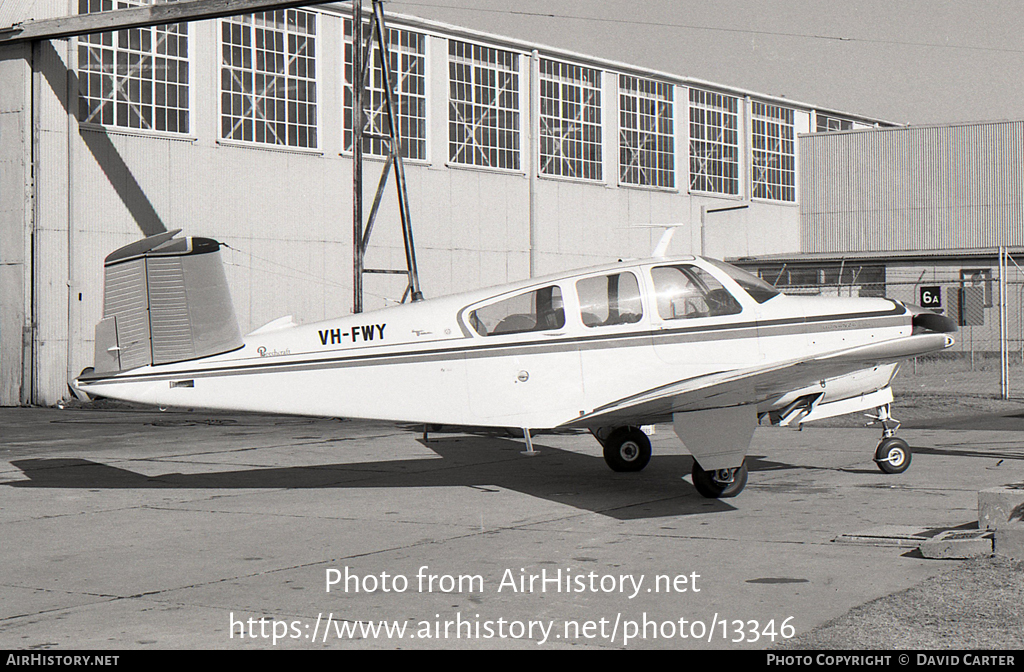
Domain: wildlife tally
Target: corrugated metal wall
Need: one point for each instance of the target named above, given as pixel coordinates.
(15, 213)
(19, 11)
(936, 187)
(53, 223)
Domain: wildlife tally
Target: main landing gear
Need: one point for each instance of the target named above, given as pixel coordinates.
(719, 483)
(629, 449)
(892, 454)
(626, 449)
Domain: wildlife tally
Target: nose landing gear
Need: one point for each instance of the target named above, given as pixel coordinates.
(892, 454)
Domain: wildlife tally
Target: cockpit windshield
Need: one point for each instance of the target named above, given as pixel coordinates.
(758, 289)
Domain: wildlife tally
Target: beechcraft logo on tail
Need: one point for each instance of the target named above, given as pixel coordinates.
(367, 332)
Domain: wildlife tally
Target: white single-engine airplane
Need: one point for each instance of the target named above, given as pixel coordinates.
(694, 341)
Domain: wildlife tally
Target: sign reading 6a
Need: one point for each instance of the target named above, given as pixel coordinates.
(931, 297)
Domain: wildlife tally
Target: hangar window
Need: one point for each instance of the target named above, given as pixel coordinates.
(268, 78)
(686, 292)
(826, 123)
(407, 65)
(136, 78)
(483, 106)
(570, 120)
(539, 310)
(646, 135)
(714, 143)
(773, 159)
(607, 300)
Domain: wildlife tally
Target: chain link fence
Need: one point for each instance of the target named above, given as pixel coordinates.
(984, 296)
(972, 366)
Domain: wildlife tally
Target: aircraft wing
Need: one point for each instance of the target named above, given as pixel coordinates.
(754, 384)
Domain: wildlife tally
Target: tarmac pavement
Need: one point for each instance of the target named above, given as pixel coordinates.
(127, 529)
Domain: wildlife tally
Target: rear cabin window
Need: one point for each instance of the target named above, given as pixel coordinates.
(607, 300)
(686, 292)
(539, 310)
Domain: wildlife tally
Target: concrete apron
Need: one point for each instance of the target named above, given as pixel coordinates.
(131, 529)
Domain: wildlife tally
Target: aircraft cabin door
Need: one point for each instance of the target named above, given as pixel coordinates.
(615, 341)
(526, 372)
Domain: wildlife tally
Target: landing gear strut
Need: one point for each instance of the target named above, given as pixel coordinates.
(892, 454)
(719, 483)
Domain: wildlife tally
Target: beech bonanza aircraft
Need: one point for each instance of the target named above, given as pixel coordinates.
(688, 340)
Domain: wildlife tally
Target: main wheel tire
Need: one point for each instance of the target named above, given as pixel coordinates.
(627, 449)
(709, 484)
(893, 455)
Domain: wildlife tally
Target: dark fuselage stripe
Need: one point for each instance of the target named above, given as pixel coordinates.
(657, 337)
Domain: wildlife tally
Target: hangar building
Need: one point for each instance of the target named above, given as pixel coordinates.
(520, 159)
(918, 214)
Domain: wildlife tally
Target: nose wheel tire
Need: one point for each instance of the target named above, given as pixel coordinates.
(627, 449)
(719, 483)
(893, 455)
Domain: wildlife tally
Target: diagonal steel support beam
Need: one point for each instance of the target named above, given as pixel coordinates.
(384, 57)
(361, 56)
(376, 200)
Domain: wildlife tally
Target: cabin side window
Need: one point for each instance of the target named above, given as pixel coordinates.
(686, 292)
(607, 300)
(539, 310)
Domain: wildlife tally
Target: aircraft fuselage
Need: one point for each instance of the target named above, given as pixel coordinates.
(616, 332)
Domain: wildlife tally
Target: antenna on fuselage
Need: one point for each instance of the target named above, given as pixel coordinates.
(661, 249)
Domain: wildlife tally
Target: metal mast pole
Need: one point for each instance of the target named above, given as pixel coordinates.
(1004, 354)
(358, 86)
(390, 135)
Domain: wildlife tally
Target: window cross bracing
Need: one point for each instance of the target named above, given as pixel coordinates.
(773, 161)
(268, 78)
(407, 70)
(714, 143)
(483, 110)
(570, 120)
(646, 135)
(136, 78)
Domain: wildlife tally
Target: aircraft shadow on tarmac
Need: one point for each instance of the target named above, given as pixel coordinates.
(1013, 422)
(482, 463)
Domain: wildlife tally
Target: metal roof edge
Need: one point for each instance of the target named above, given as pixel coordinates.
(912, 127)
(880, 256)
